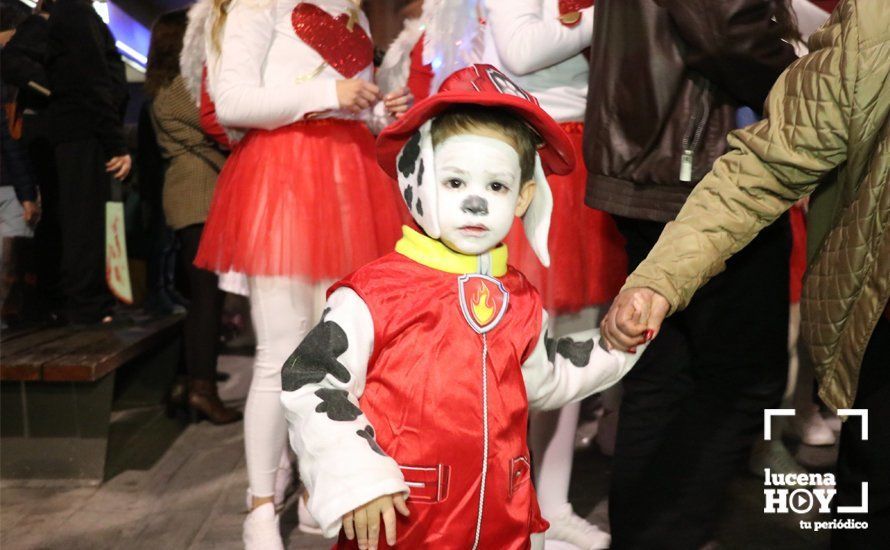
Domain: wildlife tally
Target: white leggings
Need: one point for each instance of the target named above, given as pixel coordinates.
(283, 310)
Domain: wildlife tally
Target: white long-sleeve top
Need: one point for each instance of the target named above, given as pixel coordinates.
(343, 470)
(526, 40)
(266, 76)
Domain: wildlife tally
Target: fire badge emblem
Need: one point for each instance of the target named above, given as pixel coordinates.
(483, 301)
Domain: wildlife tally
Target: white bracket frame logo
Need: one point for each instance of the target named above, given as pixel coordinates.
(768, 415)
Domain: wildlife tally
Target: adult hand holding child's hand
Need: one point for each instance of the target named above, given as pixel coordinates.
(634, 318)
(364, 522)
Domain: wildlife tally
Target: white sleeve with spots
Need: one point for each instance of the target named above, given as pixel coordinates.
(340, 462)
(571, 368)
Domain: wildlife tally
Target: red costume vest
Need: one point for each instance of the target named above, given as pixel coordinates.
(424, 398)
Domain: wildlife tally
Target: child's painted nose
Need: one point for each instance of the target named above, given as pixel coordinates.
(475, 205)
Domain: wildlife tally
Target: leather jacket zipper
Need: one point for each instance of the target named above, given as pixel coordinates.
(694, 132)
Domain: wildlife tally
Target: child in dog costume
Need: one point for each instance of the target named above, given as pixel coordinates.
(418, 379)
(540, 45)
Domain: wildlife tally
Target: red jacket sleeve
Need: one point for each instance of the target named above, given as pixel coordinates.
(420, 76)
(209, 123)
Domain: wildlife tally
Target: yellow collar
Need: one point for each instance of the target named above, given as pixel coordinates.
(435, 254)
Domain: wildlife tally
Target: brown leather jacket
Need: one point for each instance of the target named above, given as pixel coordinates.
(666, 80)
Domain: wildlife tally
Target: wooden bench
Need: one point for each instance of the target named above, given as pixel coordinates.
(57, 388)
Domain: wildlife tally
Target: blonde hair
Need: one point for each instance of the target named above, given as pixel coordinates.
(218, 15)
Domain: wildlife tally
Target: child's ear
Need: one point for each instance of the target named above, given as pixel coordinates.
(526, 194)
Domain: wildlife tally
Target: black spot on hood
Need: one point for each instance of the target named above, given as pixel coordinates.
(409, 155)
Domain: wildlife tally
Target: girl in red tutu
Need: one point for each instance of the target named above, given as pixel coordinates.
(301, 201)
(539, 44)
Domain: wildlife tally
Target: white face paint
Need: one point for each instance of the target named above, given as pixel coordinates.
(478, 181)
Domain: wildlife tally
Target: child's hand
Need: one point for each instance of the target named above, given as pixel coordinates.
(356, 94)
(398, 102)
(364, 521)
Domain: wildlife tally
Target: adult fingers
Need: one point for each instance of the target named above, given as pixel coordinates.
(628, 313)
(616, 337)
(628, 310)
(401, 92)
(361, 528)
(399, 502)
(362, 103)
(397, 102)
(372, 88)
(660, 309)
(348, 526)
(374, 527)
(612, 335)
(123, 171)
(642, 306)
(367, 95)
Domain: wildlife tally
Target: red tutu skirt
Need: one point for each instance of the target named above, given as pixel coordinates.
(305, 200)
(798, 264)
(588, 264)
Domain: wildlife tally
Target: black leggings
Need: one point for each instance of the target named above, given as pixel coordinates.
(202, 324)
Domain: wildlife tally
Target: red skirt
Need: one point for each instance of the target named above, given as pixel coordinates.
(306, 200)
(588, 264)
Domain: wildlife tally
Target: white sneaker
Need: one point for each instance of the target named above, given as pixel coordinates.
(261, 530)
(812, 429)
(569, 527)
(305, 522)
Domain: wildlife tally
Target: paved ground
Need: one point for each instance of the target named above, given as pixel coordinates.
(174, 486)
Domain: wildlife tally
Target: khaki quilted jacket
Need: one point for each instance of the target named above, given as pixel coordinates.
(827, 133)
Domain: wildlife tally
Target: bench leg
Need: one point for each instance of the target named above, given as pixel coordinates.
(55, 430)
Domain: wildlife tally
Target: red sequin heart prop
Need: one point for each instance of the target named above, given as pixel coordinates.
(346, 51)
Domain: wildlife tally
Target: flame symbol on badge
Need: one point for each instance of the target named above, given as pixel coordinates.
(483, 301)
(482, 308)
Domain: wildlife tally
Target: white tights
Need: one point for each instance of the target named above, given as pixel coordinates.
(283, 310)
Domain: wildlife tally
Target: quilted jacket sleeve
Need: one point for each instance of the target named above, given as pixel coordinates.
(770, 165)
